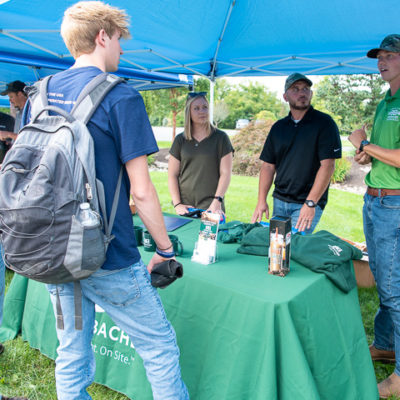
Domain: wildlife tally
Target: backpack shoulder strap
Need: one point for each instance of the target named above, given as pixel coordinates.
(93, 94)
(86, 104)
(38, 97)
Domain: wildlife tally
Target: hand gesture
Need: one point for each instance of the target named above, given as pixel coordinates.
(357, 137)
(215, 207)
(306, 217)
(156, 259)
(182, 209)
(362, 158)
(259, 211)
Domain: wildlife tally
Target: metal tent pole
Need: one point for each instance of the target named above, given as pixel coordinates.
(212, 84)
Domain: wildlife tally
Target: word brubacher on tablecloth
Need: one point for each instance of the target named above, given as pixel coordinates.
(110, 341)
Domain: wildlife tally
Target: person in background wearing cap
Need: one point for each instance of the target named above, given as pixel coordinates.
(300, 153)
(381, 212)
(17, 96)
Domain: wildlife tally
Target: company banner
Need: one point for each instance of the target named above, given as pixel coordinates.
(117, 364)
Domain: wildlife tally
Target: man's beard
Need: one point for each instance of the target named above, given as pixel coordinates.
(302, 107)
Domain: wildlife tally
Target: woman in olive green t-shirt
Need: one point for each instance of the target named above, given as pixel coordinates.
(200, 163)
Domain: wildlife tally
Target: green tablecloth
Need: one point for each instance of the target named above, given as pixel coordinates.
(243, 334)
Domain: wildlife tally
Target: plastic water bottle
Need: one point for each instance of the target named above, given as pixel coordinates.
(87, 216)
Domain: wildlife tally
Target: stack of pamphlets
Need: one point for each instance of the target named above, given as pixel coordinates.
(205, 250)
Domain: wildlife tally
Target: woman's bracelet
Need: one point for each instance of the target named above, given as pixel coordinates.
(165, 254)
(177, 204)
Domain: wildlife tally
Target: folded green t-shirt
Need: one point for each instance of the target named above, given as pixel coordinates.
(234, 231)
(255, 241)
(326, 253)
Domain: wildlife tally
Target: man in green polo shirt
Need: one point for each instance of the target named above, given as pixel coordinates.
(381, 210)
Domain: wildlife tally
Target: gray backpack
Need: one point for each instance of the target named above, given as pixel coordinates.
(45, 176)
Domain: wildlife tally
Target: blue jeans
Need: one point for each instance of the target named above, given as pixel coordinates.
(382, 233)
(292, 210)
(135, 306)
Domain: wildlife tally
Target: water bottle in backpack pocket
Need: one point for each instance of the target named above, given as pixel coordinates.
(86, 243)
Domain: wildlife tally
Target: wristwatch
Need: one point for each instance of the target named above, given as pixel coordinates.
(310, 203)
(363, 143)
(219, 198)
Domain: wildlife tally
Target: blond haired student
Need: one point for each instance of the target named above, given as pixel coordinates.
(122, 137)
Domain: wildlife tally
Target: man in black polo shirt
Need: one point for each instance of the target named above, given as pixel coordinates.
(300, 150)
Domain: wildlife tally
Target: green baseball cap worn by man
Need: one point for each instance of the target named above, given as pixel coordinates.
(293, 78)
(390, 43)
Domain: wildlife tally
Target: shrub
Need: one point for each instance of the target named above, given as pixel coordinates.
(342, 167)
(248, 144)
(150, 159)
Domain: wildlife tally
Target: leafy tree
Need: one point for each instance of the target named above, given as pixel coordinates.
(165, 103)
(351, 99)
(202, 85)
(222, 87)
(265, 115)
(221, 111)
(245, 101)
(157, 105)
(177, 97)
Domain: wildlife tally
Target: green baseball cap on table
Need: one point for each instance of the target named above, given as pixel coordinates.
(390, 43)
(293, 78)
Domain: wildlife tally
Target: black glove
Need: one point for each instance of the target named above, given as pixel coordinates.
(164, 273)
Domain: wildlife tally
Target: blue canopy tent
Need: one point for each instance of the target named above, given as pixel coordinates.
(30, 69)
(220, 38)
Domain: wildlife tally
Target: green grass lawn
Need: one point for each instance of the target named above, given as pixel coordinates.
(342, 214)
(164, 144)
(25, 371)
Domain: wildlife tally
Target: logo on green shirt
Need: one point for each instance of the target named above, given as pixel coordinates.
(393, 115)
(336, 250)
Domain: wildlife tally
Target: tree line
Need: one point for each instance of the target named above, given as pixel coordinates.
(350, 99)
(231, 102)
